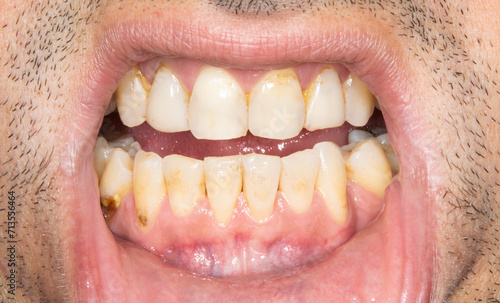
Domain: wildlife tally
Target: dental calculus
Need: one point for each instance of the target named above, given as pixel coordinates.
(219, 109)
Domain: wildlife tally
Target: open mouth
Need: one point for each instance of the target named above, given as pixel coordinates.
(271, 183)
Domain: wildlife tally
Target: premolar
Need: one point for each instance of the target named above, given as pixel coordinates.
(116, 180)
(359, 101)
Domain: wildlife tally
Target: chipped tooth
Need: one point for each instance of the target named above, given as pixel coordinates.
(261, 174)
(356, 136)
(298, 175)
(102, 152)
(276, 106)
(116, 179)
(111, 106)
(223, 180)
(127, 143)
(132, 98)
(185, 183)
(218, 106)
(149, 187)
(389, 152)
(324, 99)
(367, 165)
(331, 182)
(360, 102)
(167, 109)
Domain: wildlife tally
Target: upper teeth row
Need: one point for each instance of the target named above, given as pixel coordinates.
(219, 109)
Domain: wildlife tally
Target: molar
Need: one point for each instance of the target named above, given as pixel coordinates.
(360, 102)
(385, 142)
(132, 98)
(356, 136)
(116, 179)
(102, 152)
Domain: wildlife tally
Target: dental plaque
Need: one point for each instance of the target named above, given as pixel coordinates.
(225, 172)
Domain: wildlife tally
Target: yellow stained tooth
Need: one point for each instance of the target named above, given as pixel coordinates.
(359, 101)
(116, 179)
(132, 98)
(367, 165)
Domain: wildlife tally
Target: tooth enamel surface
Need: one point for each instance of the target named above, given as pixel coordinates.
(356, 136)
(359, 101)
(276, 106)
(389, 152)
(324, 99)
(368, 166)
(218, 107)
(185, 183)
(261, 176)
(331, 181)
(149, 187)
(223, 180)
(167, 109)
(116, 179)
(127, 143)
(102, 152)
(111, 106)
(132, 98)
(298, 175)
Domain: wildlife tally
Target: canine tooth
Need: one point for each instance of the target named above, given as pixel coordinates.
(102, 151)
(356, 136)
(298, 175)
(359, 101)
(218, 107)
(324, 99)
(368, 166)
(132, 98)
(168, 103)
(185, 183)
(331, 182)
(149, 187)
(261, 175)
(389, 152)
(111, 106)
(276, 107)
(116, 179)
(223, 180)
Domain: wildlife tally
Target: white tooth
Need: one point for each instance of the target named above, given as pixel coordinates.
(261, 175)
(111, 106)
(359, 101)
(331, 182)
(324, 99)
(127, 143)
(389, 152)
(368, 166)
(356, 136)
(132, 98)
(102, 151)
(116, 179)
(168, 103)
(218, 106)
(298, 175)
(276, 107)
(223, 180)
(149, 187)
(185, 183)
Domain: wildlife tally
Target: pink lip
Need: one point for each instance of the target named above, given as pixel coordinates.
(390, 261)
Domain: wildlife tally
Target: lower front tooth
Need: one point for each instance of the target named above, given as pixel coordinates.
(298, 175)
(116, 179)
(359, 101)
(223, 180)
(185, 184)
(149, 187)
(261, 176)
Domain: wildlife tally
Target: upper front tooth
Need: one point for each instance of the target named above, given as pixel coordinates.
(223, 180)
(261, 176)
(359, 101)
(185, 183)
(149, 187)
(298, 174)
(132, 98)
(168, 103)
(324, 99)
(218, 107)
(368, 166)
(116, 179)
(276, 107)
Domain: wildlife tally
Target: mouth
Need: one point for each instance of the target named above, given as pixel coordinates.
(279, 175)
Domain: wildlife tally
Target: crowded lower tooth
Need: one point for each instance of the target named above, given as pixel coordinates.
(149, 187)
(331, 182)
(127, 143)
(276, 106)
(367, 165)
(218, 106)
(132, 98)
(167, 109)
(356, 136)
(359, 101)
(298, 175)
(261, 174)
(102, 152)
(185, 183)
(325, 107)
(116, 179)
(223, 181)
(389, 152)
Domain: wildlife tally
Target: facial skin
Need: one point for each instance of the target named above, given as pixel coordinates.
(444, 53)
